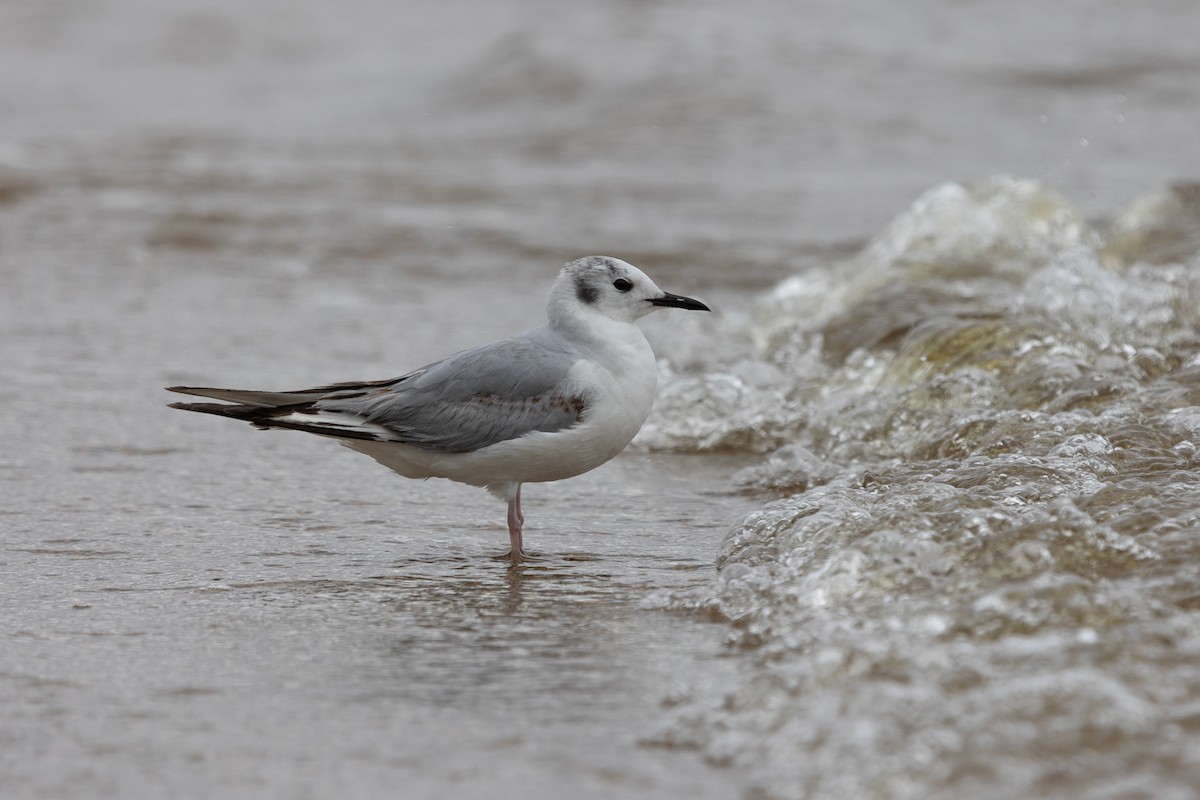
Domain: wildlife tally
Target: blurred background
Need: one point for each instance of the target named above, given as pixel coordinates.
(462, 137)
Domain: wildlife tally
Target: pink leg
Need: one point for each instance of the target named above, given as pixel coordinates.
(515, 521)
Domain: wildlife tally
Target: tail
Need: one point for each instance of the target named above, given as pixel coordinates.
(297, 411)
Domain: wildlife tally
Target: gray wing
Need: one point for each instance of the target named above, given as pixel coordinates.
(470, 400)
(473, 399)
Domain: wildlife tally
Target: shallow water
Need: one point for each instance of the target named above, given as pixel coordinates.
(301, 645)
(915, 515)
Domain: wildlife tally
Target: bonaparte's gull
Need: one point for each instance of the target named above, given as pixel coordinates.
(548, 404)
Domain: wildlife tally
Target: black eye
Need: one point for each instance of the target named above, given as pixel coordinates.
(622, 285)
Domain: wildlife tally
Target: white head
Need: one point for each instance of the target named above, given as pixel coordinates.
(612, 288)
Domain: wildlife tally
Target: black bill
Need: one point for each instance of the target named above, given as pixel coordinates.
(679, 301)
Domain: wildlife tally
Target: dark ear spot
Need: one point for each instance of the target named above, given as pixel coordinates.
(586, 294)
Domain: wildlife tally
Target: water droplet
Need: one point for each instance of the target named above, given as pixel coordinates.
(1083, 142)
(1042, 118)
(1120, 117)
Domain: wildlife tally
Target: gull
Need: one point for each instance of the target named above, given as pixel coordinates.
(547, 404)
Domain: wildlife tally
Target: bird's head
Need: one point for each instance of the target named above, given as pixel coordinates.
(613, 288)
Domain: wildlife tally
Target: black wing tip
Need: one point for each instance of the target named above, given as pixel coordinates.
(258, 417)
(247, 413)
(210, 408)
(265, 419)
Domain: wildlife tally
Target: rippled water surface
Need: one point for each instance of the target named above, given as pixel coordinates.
(980, 579)
(916, 515)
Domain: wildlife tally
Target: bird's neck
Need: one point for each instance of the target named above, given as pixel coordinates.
(594, 331)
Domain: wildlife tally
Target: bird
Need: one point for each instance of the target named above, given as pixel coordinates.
(544, 405)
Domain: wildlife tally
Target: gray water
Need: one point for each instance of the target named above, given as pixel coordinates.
(915, 514)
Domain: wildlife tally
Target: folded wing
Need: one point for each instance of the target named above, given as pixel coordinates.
(468, 401)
